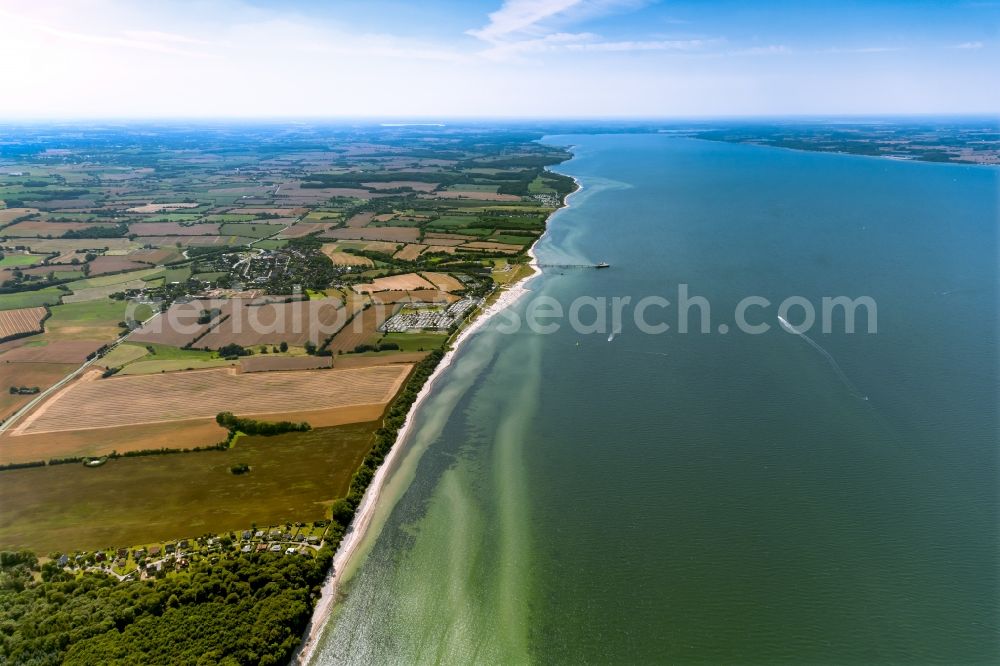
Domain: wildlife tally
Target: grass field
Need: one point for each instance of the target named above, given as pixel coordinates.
(472, 187)
(30, 299)
(153, 498)
(90, 320)
(179, 274)
(251, 230)
(118, 278)
(454, 221)
(14, 260)
(271, 244)
(122, 354)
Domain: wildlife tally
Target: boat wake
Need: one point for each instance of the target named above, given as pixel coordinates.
(829, 357)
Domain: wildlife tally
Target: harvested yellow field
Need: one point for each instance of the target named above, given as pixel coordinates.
(444, 282)
(8, 215)
(360, 220)
(120, 401)
(16, 323)
(410, 252)
(405, 282)
(341, 258)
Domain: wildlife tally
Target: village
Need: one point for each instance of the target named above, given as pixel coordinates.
(156, 560)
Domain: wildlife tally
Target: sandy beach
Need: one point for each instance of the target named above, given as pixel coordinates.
(366, 510)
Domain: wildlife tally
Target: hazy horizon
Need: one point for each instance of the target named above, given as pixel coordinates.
(497, 59)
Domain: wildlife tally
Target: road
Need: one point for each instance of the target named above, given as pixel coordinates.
(65, 380)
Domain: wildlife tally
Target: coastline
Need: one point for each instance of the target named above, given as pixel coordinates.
(366, 510)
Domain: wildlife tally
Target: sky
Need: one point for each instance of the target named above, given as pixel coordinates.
(425, 59)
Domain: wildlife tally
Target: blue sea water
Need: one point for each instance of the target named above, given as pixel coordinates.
(712, 497)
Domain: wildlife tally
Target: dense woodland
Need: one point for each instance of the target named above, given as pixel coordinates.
(250, 609)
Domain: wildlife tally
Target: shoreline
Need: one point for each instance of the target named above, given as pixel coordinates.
(366, 510)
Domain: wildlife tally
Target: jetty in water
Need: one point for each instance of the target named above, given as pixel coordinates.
(603, 264)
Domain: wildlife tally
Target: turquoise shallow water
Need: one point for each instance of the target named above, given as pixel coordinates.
(707, 497)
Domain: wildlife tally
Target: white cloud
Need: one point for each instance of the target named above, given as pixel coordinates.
(968, 45)
(771, 49)
(519, 16)
(865, 49)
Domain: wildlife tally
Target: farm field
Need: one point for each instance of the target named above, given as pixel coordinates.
(370, 359)
(340, 258)
(225, 227)
(40, 350)
(173, 229)
(393, 234)
(101, 441)
(114, 264)
(444, 282)
(360, 329)
(405, 282)
(99, 293)
(16, 323)
(90, 320)
(94, 403)
(294, 323)
(122, 354)
(30, 299)
(415, 296)
(179, 325)
(11, 260)
(272, 362)
(42, 375)
(294, 476)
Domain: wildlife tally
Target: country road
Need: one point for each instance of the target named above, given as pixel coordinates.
(65, 380)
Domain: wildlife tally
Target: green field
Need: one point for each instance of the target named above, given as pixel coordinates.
(30, 299)
(210, 277)
(255, 230)
(454, 221)
(513, 240)
(91, 320)
(122, 354)
(229, 217)
(118, 278)
(472, 187)
(271, 244)
(13, 260)
(179, 274)
(149, 499)
(538, 186)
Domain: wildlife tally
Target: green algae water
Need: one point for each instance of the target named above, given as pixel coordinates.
(712, 497)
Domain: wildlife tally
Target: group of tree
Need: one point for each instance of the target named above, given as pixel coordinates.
(114, 231)
(233, 350)
(234, 423)
(246, 609)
